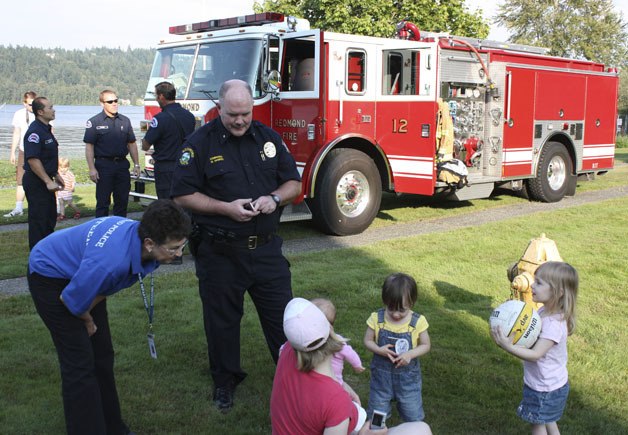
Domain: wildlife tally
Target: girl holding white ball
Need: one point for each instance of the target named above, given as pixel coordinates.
(545, 377)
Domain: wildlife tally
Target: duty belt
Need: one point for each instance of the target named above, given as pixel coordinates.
(112, 158)
(219, 236)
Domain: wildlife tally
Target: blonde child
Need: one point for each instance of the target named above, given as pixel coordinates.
(64, 197)
(545, 378)
(346, 353)
(397, 336)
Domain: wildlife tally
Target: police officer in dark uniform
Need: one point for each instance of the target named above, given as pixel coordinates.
(167, 132)
(41, 179)
(233, 175)
(109, 137)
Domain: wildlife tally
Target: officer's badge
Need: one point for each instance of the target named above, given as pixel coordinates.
(269, 150)
(153, 123)
(187, 154)
(88, 124)
(33, 138)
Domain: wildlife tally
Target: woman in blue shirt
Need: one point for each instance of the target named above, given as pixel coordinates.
(71, 273)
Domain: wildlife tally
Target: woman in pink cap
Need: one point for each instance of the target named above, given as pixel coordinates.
(306, 398)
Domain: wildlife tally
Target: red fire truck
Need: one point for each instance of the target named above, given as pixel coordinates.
(362, 115)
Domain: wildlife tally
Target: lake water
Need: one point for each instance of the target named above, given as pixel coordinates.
(69, 126)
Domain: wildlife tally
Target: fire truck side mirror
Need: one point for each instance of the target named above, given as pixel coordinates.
(272, 82)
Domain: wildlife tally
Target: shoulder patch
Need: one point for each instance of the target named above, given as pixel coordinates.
(154, 123)
(33, 138)
(88, 124)
(187, 154)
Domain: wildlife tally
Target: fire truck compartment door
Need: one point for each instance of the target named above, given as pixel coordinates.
(519, 122)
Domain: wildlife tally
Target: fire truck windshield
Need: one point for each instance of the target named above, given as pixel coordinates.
(198, 70)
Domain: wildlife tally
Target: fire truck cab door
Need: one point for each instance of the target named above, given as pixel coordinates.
(296, 109)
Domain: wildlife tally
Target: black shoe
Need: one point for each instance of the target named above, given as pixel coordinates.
(223, 398)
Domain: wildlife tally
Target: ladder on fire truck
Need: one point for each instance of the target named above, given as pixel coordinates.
(481, 44)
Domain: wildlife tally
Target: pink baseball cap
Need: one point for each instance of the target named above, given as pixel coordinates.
(305, 326)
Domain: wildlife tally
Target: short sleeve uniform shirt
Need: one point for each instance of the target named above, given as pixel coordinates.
(40, 143)
(166, 132)
(226, 168)
(109, 135)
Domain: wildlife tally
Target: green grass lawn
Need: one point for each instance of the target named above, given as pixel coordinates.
(470, 386)
(84, 194)
(394, 209)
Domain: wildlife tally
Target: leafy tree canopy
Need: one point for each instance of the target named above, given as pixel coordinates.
(73, 76)
(380, 17)
(584, 29)
(622, 103)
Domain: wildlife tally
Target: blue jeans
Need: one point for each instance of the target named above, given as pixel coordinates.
(404, 386)
(542, 407)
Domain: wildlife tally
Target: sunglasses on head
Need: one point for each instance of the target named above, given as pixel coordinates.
(111, 101)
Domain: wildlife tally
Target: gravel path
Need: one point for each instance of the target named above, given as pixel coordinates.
(10, 287)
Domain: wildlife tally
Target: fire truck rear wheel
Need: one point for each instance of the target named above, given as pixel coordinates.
(553, 174)
(348, 193)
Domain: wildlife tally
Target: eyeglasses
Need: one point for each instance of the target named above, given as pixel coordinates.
(111, 101)
(173, 251)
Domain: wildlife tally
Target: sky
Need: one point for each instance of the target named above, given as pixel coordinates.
(79, 24)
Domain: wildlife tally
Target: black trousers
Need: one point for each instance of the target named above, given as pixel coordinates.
(225, 274)
(163, 178)
(42, 208)
(90, 398)
(113, 179)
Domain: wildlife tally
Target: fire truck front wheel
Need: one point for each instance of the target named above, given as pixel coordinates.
(348, 193)
(553, 174)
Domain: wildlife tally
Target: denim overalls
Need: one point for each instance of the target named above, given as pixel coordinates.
(402, 384)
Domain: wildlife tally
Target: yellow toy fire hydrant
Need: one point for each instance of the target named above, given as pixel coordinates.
(521, 274)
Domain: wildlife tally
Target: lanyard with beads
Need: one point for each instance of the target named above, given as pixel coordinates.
(149, 310)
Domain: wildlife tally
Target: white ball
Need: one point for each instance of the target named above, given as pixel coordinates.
(520, 318)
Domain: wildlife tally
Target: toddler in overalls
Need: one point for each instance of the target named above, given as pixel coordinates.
(397, 336)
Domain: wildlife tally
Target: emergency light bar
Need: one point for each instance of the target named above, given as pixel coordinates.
(228, 23)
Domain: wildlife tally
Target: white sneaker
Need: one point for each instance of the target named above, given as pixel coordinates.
(13, 213)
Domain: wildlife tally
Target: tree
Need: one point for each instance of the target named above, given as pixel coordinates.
(380, 17)
(73, 76)
(583, 29)
(622, 103)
